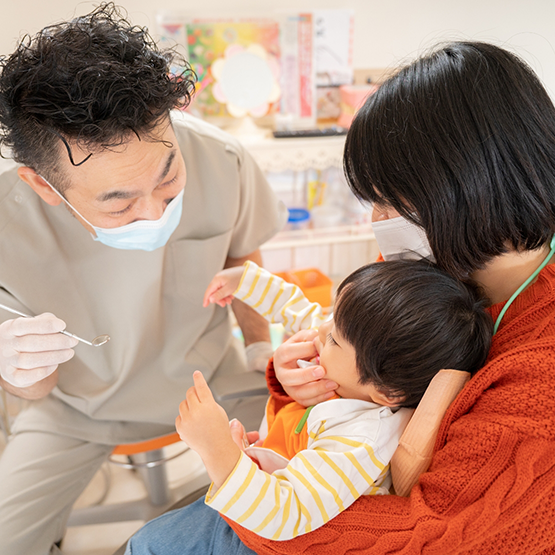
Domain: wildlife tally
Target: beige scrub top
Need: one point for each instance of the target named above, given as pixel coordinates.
(150, 303)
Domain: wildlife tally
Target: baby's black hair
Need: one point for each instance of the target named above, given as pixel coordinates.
(407, 320)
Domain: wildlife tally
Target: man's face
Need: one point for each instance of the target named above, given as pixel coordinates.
(135, 181)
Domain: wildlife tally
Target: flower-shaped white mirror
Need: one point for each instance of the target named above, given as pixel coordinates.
(247, 82)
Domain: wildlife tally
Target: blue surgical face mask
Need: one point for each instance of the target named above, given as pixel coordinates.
(146, 235)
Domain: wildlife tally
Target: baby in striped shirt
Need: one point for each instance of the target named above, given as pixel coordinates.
(395, 325)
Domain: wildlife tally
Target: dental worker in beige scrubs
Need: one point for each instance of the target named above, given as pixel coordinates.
(118, 215)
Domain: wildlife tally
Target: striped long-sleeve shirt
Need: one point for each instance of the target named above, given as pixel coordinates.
(349, 446)
(277, 300)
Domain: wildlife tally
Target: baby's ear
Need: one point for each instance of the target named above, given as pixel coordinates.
(387, 399)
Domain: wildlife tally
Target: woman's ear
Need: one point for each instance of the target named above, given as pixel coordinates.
(39, 185)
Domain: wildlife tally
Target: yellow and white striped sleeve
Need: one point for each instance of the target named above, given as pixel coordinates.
(316, 486)
(277, 300)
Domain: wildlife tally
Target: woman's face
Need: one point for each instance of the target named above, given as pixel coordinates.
(383, 212)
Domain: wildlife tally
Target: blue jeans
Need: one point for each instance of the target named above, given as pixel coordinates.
(193, 530)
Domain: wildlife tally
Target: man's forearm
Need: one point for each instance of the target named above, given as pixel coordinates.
(36, 391)
(254, 327)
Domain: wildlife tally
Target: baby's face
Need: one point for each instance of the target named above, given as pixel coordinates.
(338, 358)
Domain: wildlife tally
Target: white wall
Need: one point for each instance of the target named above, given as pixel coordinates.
(386, 32)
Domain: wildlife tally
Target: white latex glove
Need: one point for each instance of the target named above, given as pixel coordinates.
(32, 348)
(258, 355)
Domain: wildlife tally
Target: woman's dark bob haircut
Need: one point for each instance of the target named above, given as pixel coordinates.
(461, 142)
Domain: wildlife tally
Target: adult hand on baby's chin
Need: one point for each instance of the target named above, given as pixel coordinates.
(307, 386)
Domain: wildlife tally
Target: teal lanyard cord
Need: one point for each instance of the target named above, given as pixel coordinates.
(524, 285)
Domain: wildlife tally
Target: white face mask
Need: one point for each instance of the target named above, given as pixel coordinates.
(400, 239)
(146, 235)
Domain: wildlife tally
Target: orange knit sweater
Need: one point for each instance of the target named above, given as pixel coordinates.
(490, 489)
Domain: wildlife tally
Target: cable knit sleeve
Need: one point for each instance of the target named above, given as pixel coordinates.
(274, 385)
(490, 487)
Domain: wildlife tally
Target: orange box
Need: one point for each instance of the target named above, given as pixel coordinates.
(313, 283)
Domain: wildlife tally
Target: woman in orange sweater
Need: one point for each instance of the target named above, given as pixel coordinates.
(460, 143)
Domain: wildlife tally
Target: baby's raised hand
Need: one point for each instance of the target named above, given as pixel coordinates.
(201, 423)
(223, 285)
(204, 426)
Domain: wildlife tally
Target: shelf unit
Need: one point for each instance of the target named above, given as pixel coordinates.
(336, 251)
(299, 154)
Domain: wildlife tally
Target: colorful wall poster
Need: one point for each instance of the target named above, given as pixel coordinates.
(208, 41)
(298, 99)
(333, 47)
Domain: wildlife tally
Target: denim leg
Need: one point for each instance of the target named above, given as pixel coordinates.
(193, 530)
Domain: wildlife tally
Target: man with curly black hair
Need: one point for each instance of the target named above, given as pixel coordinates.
(115, 219)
